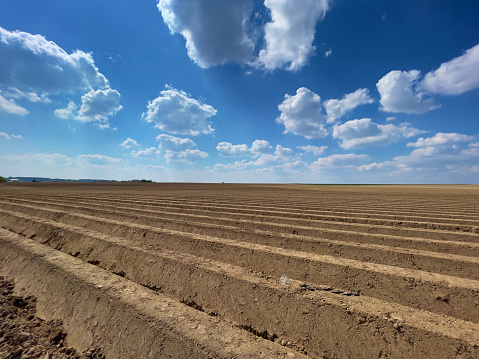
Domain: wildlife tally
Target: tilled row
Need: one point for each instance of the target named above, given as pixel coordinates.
(279, 216)
(123, 318)
(285, 313)
(315, 240)
(429, 215)
(453, 296)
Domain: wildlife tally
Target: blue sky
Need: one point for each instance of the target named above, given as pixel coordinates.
(329, 91)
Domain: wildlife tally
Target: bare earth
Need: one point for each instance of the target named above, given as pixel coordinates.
(193, 270)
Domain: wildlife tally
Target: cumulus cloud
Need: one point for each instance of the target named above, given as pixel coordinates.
(67, 112)
(349, 159)
(9, 106)
(100, 160)
(98, 105)
(31, 63)
(129, 143)
(364, 133)
(187, 156)
(315, 150)
(328, 53)
(227, 149)
(176, 112)
(148, 152)
(216, 31)
(281, 155)
(441, 139)
(301, 114)
(400, 92)
(219, 32)
(289, 36)
(456, 76)
(173, 143)
(261, 146)
(338, 108)
(257, 148)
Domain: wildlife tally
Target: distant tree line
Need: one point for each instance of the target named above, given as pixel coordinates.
(3, 179)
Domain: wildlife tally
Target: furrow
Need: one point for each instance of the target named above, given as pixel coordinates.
(437, 293)
(282, 312)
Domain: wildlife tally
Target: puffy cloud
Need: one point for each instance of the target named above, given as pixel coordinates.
(175, 111)
(261, 146)
(9, 106)
(389, 119)
(149, 152)
(100, 160)
(441, 139)
(281, 155)
(229, 150)
(338, 108)
(67, 112)
(301, 114)
(216, 31)
(31, 63)
(98, 105)
(456, 76)
(257, 148)
(185, 156)
(173, 143)
(315, 150)
(128, 143)
(328, 53)
(400, 92)
(363, 133)
(348, 159)
(289, 36)
(236, 166)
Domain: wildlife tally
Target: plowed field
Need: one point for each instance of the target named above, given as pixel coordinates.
(194, 270)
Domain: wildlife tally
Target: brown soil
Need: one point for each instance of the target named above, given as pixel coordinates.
(375, 271)
(25, 336)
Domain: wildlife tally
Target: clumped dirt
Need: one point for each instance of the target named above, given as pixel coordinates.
(25, 336)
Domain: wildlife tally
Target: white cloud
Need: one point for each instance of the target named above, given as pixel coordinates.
(261, 146)
(148, 152)
(4, 135)
(301, 114)
(456, 76)
(281, 155)
(216, 31)
(128, 143)
(389, 119)
(175, 111)
(328, 53)
(236, 166)
(173, 143)
(315, 150)
(100, 160)
(338, 108)
(31, 63)
(18, 137)
(98, 105)
(475, 144)
(188, 156)
(9, 106)
(13, 93)
(289, 36)
(441, 139)
(227, 149)
(347, 160)
(66, 113)
(364, 133)
(400, 92)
